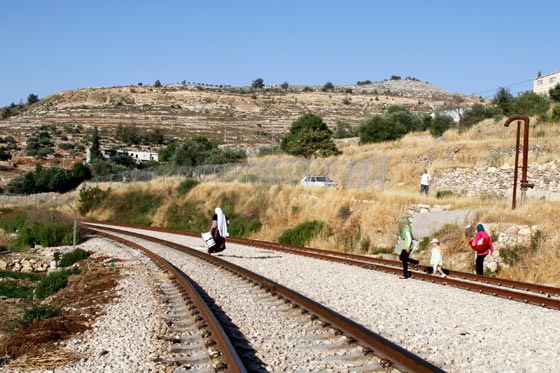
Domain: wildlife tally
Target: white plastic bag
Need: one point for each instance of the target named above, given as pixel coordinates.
(208, 239)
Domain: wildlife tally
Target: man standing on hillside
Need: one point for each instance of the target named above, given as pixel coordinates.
(425, 182)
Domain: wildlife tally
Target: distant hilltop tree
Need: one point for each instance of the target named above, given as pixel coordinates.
(32, 98)
(157, 84)
(363, 82)
(284, 86)
(395, 77)
(328, 87)
(258, 83)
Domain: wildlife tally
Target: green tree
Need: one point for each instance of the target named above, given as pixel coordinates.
(503, 100)
(401, 115)
(258, 83)
(378, 129)
(125, 160)
(284, 86)
(343, 130)
(95, 149)
(328, 87)
(32, 98)
(155, 136)
(128, 134)
(530, 103)
(440, 124)
(309, 137)
(167, 154)
(4, 154)
(157, 84)
(476, 114)
(554, 93)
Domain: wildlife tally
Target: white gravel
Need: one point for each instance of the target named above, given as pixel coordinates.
(458, 330)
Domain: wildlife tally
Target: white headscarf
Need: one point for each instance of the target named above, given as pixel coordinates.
(222, 223)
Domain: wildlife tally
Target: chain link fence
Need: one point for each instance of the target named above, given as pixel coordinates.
(366, 174)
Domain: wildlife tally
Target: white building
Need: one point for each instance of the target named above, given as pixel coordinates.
(138, 156)
(542, 84)
(141, 156)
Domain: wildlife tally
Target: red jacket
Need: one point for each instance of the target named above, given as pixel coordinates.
(486, 247)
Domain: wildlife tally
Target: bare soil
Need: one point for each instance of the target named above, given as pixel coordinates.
(36, 345)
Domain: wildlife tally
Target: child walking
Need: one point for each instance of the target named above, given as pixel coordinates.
(437, 258)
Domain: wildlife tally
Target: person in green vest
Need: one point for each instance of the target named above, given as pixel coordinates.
(406, 235)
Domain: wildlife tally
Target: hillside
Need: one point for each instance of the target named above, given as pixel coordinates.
(234, 116)
(361, 220)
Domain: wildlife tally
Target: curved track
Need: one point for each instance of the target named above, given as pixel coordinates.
(540, 295)
(387, 353)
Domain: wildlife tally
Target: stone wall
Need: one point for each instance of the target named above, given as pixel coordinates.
(506, 237)
(427, 219)
(493, 181)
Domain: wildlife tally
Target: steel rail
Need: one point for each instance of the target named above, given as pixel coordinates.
(487, 285)
(234, 364)
(400, 358)
(524, 286)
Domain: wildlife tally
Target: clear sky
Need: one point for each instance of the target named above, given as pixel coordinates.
(471, 47)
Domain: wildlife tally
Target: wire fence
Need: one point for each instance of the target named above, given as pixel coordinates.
(367, 174)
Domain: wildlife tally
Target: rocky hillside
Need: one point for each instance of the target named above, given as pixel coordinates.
(235, 116)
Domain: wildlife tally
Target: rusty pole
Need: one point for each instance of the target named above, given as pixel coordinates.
(524, 183)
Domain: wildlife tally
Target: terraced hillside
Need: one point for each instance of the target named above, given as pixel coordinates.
(238, 116)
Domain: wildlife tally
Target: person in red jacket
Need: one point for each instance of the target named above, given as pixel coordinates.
(482, 244)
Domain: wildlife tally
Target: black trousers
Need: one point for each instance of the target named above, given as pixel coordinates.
(480, 264)
(405, 258)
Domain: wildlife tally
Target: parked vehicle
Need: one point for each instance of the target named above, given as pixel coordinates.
(318, 180)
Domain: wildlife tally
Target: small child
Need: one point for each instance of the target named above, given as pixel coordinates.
(437, 258)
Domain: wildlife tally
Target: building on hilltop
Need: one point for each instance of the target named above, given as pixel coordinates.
(542, 84)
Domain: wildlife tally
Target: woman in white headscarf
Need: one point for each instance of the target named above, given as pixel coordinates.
(219, 231)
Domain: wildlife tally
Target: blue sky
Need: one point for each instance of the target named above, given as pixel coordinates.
(471, 47)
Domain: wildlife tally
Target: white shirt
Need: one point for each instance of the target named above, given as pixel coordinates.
(425, 179)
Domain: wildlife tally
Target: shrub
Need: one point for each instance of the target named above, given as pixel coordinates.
(302, 233)
(48, 229)
(12, 290)
(134, 206)
(73, 257)
(511, 255)
(378, 129)
(440, 124)
(189, 216)
(186, 185)
(40, 312)
(92, 199)
(555, 116)
(54, 282)
(445, 193)
(530, 104)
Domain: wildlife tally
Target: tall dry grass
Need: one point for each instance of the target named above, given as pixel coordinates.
(368, 221)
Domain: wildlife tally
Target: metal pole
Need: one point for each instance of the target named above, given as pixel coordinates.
(524, 183)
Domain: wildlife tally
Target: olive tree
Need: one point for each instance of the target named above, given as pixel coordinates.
(309, 136)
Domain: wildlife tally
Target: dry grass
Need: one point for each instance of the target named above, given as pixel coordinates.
(355, 215)
(35, 345)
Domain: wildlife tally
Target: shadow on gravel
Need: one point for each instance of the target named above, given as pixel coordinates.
(242, 345)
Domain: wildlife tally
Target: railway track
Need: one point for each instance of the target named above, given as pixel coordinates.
(317, 337)
(535, 294)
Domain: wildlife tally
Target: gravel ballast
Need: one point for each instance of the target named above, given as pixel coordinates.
(457, 330)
